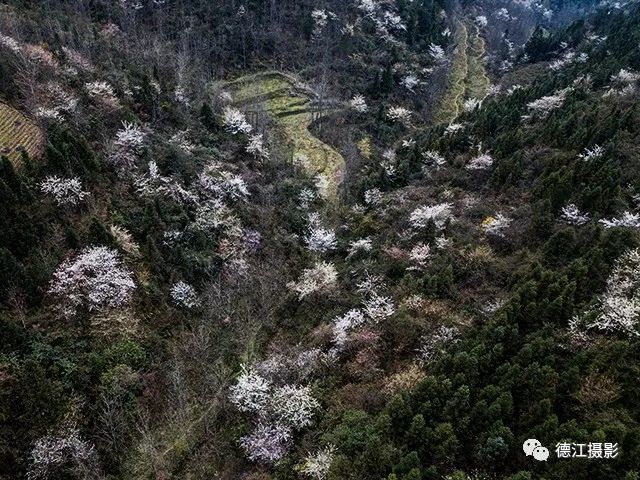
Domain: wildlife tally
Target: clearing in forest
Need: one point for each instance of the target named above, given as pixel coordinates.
(18, 133)
(290, 105)
(468, 78)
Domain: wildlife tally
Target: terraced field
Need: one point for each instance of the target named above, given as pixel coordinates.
(290, 104)
(18, 133)
(468, 78)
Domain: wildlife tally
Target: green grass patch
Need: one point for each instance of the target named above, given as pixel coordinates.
(468, 77)
(290, 105)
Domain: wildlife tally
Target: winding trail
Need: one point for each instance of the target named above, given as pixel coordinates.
(468, 77)
(292, 106)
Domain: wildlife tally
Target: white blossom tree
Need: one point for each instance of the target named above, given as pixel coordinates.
(318, 464)
(181, 141)
(434, 344)
(95, 278)
(572, 215)
(360, 245)
(627, 219)
(184, 295)
(410, 82)
(373, 196)
(433, 159)
(256, 146)
(267, 444)
(591, 153)
(419, 255)
(251, 392)
(66, 448)
(293, 406)
(359, 104)
(378, 307)
(453, 128)
(619, 307)
(102, 92)
(543, 106)
(496, 225)
(127, 147)
(480, 162)
(343, 324)
(437, 53)
(399, 115)
(321, 278)
(318, 238)
(65, 191)
(438, 213)
(235, 121)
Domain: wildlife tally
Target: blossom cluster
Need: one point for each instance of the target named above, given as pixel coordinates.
(184, 295)
(278, 411)
(236, 122)
(54, 451)
(126, 147)
(65, 191)
(321, 278)
(95, 278)
(439, 214)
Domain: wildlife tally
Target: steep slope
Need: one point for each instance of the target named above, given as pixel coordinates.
(181, 300)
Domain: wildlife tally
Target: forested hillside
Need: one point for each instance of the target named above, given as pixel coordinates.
(284, 239)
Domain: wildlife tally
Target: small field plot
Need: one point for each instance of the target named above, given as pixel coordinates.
(18, 133)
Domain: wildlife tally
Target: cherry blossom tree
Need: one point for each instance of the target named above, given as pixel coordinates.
(543, 106)
(322, 277)
(453, 128)
(433, 159)
(65, 191)
(434, 344)
(256, 146)
(54, 451)
(343, 324)
(184, 295)
(360, 245)
(95, 278)
(496, 224)
(267, 443)
(378, 307)
(373, 196)
(471, 104)
(181, 141)
(438, 213)
(399, 115)
(152, 184)
(127, 147)
(437, 53)
(419, 255)
(235, 121)
(251, 392)
(410, 82)
(102, 92)
(318, 238)
(317, 465)
(592, 153)
(619, 308)
(359, 104)
(573, 216)
(219, 183)
(627, 219)
(480, 162)
(293, 406)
